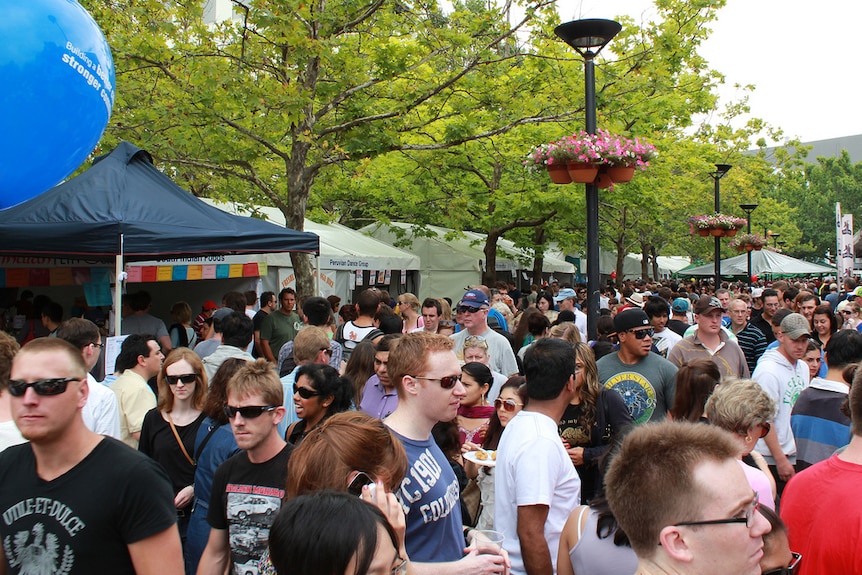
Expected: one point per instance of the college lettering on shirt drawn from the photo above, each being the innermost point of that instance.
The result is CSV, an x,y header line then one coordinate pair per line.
x,y
421,478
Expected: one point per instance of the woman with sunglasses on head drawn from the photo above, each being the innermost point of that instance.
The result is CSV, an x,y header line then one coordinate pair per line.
x,y
214,444
474,413
592,421
851,315
741,407
169,430
318,393
349,452
512,399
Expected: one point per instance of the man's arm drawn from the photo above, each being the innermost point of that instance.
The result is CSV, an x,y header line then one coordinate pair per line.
x,y
785,468
471,564
216,556
534,546
266,350
159,554
165,342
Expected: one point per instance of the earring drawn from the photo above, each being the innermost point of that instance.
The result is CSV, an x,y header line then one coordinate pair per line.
x,y
747,438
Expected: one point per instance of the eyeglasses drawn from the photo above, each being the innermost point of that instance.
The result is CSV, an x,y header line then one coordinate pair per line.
x,y
305,392
642,333
467,309
53,386
506,404
98,345
749,513
401,568
446,382
326,350
248,411
764,429
791,569
847,312
186,378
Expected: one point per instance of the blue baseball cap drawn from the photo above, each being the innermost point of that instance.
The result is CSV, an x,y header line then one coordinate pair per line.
x,y
474,298
679,305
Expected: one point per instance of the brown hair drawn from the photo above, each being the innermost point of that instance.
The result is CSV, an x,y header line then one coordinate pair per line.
x,y
309,342
695,382
257,377
8,348
166,398
650,483
590,388
409,355
346,442
217,396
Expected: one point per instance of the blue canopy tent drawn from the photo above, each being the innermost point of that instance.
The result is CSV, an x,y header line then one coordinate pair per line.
x,y
123,207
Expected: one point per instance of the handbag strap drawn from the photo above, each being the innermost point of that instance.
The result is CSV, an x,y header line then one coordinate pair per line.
x,y
180,441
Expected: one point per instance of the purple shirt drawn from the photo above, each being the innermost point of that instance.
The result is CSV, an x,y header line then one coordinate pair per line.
x,y
376,401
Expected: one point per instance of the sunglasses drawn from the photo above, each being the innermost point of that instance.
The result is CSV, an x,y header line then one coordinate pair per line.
x,y
467,309
473,341
642,333
791,569
248,411
764,429
186,378
54,386
305,392
506,404
446,382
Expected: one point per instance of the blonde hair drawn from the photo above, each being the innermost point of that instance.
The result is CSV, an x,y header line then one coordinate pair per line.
x,y
567,331
309,342
737,405
257,377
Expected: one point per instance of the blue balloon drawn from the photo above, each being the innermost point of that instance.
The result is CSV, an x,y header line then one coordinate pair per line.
x,y
57,78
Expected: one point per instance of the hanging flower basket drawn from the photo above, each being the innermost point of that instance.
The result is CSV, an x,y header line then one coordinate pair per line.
x,y
717,232
703,232
559,174
582,172
748,242
621,174
716,221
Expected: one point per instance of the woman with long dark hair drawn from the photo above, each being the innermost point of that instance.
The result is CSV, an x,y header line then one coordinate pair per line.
x,y
592,421
474,412
695,382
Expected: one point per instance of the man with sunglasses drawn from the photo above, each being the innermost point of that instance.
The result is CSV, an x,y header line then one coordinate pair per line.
x,y
679,494
645,380
72,500
248,488
473,308
102,412
536,485
427,374
140,359
821,505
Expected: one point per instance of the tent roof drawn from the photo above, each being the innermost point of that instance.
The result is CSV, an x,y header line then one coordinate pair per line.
x,y
340,247
762,262
124,193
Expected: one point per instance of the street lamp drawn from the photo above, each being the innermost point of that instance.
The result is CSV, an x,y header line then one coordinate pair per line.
x,y
720,171
748,208
588,37
774,236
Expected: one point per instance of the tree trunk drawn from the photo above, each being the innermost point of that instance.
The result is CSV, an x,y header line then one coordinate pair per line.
x,y
655,270
644,261
489,277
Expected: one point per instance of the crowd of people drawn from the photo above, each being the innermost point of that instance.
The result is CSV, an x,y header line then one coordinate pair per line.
x,y
702,431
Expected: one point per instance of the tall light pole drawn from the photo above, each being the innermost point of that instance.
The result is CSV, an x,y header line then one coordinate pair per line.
x,y
748,208
720,171
588,37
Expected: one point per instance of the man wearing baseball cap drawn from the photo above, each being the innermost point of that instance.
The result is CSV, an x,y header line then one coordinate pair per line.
x,y
783,375
206,311
710,341
473,308
566,299
645,380
678,321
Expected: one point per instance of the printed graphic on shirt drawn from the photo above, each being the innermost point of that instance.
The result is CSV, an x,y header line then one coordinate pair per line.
x,y
251,509
637,392
42,549
422,479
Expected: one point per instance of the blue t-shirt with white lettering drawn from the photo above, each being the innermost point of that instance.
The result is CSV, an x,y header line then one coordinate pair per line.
x,y
430,496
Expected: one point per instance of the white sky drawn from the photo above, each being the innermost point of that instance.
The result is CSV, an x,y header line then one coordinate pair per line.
x,y
806,85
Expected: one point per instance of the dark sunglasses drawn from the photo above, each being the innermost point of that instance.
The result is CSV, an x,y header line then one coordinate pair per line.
x,y
248,411
447,382
305,392
466,309
791,569
54,386
506,404
186,378
642,333
764,429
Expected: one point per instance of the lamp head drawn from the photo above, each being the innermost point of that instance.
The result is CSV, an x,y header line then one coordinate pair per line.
x,y
588,36
721,170
748,207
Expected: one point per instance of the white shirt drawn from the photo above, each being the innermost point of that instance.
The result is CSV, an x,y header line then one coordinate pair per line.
x,y
101,413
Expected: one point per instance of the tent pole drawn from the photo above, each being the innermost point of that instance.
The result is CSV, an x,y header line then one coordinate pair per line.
x,y
118,289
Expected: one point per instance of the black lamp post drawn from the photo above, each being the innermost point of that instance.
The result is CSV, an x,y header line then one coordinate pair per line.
x,y
588,37
720,171
774,236
748,208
